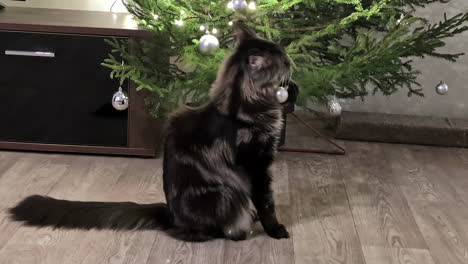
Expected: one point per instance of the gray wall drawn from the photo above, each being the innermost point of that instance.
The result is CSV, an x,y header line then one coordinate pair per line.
x,y
455,103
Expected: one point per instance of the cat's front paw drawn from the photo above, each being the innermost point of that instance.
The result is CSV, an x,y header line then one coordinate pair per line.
x,y
278,232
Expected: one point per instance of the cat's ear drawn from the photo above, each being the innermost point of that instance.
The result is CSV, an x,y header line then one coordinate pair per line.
x,y
256,62
242,32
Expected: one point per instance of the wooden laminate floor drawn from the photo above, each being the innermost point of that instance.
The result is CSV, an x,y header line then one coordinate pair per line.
x,y
381,203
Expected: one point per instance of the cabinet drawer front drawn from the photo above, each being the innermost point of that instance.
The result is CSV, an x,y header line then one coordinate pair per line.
x,y
54,90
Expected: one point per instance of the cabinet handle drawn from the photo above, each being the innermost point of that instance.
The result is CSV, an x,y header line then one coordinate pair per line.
x,y
30,53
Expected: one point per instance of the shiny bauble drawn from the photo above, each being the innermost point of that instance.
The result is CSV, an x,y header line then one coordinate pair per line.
x,y
120,100
238,5
282,95
252,5
334,107
442,88
208,44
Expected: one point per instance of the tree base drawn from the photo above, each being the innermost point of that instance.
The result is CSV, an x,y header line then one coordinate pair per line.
x,y
288,108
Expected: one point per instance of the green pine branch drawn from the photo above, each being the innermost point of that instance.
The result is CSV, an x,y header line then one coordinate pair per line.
x,y
348,48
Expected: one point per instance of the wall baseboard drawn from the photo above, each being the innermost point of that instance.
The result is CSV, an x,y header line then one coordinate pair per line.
x,y
403,129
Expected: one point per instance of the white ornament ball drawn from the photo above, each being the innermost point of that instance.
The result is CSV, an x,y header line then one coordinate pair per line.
x,y
239,5
120,100
442,88
334,107
282,95
208,44
252,5
179,22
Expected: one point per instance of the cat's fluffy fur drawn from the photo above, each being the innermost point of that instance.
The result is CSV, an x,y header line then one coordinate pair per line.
x,y
216,160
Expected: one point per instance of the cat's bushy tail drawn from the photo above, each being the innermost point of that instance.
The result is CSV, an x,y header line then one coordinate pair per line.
x,y
43,211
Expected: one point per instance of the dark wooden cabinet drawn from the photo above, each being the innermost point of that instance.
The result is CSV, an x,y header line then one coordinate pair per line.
x,y
62,95
55,95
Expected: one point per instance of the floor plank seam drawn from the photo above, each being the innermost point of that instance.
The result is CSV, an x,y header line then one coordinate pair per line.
x,y
358,236
434,259
151,249
406,201
51,188
290,215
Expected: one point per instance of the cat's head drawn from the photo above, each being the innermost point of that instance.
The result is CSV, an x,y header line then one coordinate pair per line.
x,y
251,75
264,62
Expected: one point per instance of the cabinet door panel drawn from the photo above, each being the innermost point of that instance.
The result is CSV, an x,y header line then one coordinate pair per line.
x,y
64,99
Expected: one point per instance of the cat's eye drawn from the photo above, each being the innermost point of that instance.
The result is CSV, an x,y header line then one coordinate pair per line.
x,y
254,52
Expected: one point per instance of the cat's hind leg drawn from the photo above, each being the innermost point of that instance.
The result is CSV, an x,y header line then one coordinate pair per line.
x,y
221,208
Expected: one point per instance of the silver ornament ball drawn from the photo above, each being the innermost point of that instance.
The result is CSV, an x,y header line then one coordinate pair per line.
x,y
120,100
334,107
282,95
442,88
208,44
239,5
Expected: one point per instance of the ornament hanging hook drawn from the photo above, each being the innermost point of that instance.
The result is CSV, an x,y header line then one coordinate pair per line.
x,y
211,19
112,6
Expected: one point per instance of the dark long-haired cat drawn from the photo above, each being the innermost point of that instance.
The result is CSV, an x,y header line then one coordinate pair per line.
x,y
216,160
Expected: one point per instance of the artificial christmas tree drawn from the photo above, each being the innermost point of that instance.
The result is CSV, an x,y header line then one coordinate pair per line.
x,y
342,48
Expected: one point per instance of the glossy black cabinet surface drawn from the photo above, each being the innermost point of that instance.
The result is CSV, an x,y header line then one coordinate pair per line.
x,y
53,90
